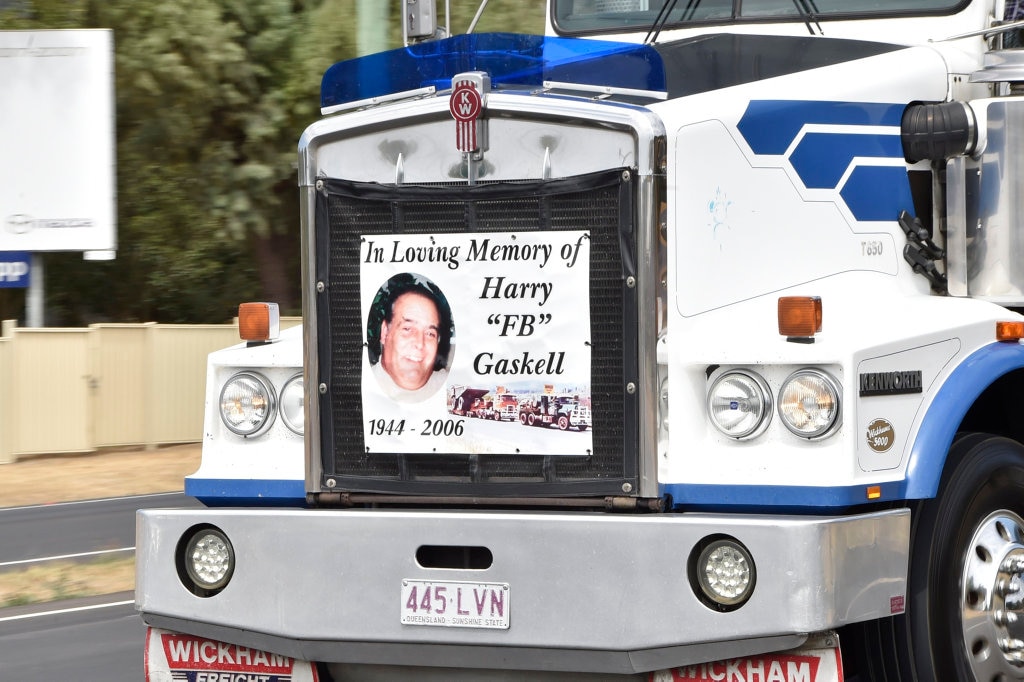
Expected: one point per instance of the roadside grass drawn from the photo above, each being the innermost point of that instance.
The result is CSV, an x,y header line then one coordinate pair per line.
x,y
61,580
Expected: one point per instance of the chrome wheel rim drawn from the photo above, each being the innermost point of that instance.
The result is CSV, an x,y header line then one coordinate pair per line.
x,y
992,598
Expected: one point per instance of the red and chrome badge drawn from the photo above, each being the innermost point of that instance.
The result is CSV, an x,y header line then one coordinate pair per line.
x,y
466,105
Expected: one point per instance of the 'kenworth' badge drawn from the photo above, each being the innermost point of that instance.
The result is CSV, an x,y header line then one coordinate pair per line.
x,y
467,104
890,383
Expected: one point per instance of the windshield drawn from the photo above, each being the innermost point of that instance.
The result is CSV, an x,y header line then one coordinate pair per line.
x,y
588,16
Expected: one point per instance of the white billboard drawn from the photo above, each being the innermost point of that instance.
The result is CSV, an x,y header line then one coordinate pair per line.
x,y
57,184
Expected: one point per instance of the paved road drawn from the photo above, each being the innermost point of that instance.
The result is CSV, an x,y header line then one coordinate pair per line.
x,y
75,529
92,640
95,640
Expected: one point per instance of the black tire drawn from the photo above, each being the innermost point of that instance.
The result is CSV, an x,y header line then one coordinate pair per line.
x,y
975,528
563,422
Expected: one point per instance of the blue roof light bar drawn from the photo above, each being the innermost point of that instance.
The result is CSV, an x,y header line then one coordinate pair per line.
x,y
509,59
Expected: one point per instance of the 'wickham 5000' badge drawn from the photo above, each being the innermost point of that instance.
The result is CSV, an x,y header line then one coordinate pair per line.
x,y
880,435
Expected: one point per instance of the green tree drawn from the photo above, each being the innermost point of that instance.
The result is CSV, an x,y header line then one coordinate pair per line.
x,y
206,151
509,16
212,96
206,131
38,14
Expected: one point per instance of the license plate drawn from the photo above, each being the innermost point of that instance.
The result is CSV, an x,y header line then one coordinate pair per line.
x,y
817,661
455,604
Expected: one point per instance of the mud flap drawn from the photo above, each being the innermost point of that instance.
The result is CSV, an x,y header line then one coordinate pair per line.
x,y
171,656
817,661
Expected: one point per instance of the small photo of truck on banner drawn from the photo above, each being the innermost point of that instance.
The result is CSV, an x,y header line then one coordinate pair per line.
x,y
564,411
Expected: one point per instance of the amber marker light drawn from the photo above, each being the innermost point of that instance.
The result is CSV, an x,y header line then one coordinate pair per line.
x,y
1009,331
258,322
874,492
799,316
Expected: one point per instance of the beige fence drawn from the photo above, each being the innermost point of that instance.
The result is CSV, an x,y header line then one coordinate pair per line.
x,y
109,385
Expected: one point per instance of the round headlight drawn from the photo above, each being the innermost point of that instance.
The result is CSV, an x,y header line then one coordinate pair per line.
x,y
293,400
209,559
739,404
247,404
809,403
725,573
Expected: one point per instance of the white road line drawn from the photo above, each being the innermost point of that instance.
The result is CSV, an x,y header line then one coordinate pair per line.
x,y
70,610
59,557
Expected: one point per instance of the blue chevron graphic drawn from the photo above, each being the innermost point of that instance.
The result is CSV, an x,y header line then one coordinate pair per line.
x,y
878,192
821,158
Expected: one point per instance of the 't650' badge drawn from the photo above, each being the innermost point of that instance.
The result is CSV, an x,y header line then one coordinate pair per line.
x,y
466,105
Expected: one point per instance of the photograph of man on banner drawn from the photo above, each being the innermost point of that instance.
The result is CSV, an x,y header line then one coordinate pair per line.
x,y
409,332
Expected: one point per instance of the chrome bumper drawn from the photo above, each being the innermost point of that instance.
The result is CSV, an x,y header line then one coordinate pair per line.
x,y
587,592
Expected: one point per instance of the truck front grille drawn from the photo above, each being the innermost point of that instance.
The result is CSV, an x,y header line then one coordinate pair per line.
x,y
601,203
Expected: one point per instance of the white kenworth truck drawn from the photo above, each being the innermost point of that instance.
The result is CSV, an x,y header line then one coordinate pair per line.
x,y
776,247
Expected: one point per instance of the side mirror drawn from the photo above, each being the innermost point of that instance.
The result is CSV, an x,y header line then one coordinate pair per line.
x,y
419,20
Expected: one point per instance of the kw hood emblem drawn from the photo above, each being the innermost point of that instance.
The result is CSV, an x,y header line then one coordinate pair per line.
x,y
469,95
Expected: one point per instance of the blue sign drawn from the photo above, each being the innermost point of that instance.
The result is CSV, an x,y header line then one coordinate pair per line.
x,y
14,269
